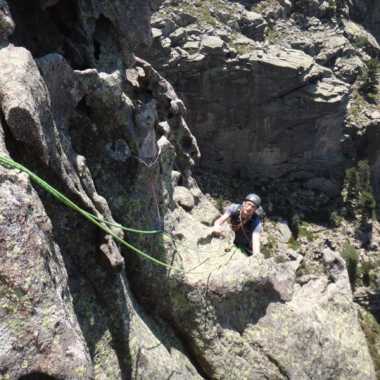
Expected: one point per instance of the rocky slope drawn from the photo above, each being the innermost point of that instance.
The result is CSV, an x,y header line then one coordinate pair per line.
x,y
79,108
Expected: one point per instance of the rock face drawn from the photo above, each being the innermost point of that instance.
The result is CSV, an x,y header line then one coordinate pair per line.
x,y
39,331
106,128
253,99
66,307
251,317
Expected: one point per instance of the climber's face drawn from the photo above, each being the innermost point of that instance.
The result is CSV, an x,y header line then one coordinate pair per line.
x,y
248,209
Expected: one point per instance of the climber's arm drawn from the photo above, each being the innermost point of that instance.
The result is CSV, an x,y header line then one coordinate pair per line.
x,y
256,243
222,219
256,239
217,229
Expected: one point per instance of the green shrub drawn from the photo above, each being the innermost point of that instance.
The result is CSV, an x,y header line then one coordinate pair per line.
x,y
360,42
336,219
357,194
303,231
351,257
293,244
368,78
367,204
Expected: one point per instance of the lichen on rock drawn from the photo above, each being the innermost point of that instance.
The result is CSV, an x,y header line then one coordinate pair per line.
x,y
271,90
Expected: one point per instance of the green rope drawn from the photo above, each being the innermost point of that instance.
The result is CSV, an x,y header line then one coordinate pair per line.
x,y
128,229
10,164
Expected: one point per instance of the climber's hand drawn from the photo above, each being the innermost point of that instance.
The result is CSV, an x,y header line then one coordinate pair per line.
x,y
218,231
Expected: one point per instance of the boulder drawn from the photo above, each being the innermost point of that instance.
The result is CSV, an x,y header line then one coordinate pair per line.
x,y
183,197
252,25
348,69
284,230
27,115
360,37
212,45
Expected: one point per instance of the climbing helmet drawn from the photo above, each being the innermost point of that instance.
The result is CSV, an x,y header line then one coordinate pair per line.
x,y
254,198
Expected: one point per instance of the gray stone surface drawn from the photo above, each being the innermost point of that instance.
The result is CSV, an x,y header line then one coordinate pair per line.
x,y
252,100
285,233
184,197
39,330
71,316
112,135
253,25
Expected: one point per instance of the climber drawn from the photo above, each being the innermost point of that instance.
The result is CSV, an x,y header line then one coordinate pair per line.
x,y
245,222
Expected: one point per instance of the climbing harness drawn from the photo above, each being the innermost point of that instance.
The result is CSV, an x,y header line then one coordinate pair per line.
x,y
241,225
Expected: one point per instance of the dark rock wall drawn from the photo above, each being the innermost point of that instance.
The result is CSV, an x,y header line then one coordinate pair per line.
x,y
66,309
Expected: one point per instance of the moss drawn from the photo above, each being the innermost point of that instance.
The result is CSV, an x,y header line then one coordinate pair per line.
x,y
371,329
13,300
357,105
360,42
201,10
80,372
241,48
310,267
272,35
105,360
303,231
